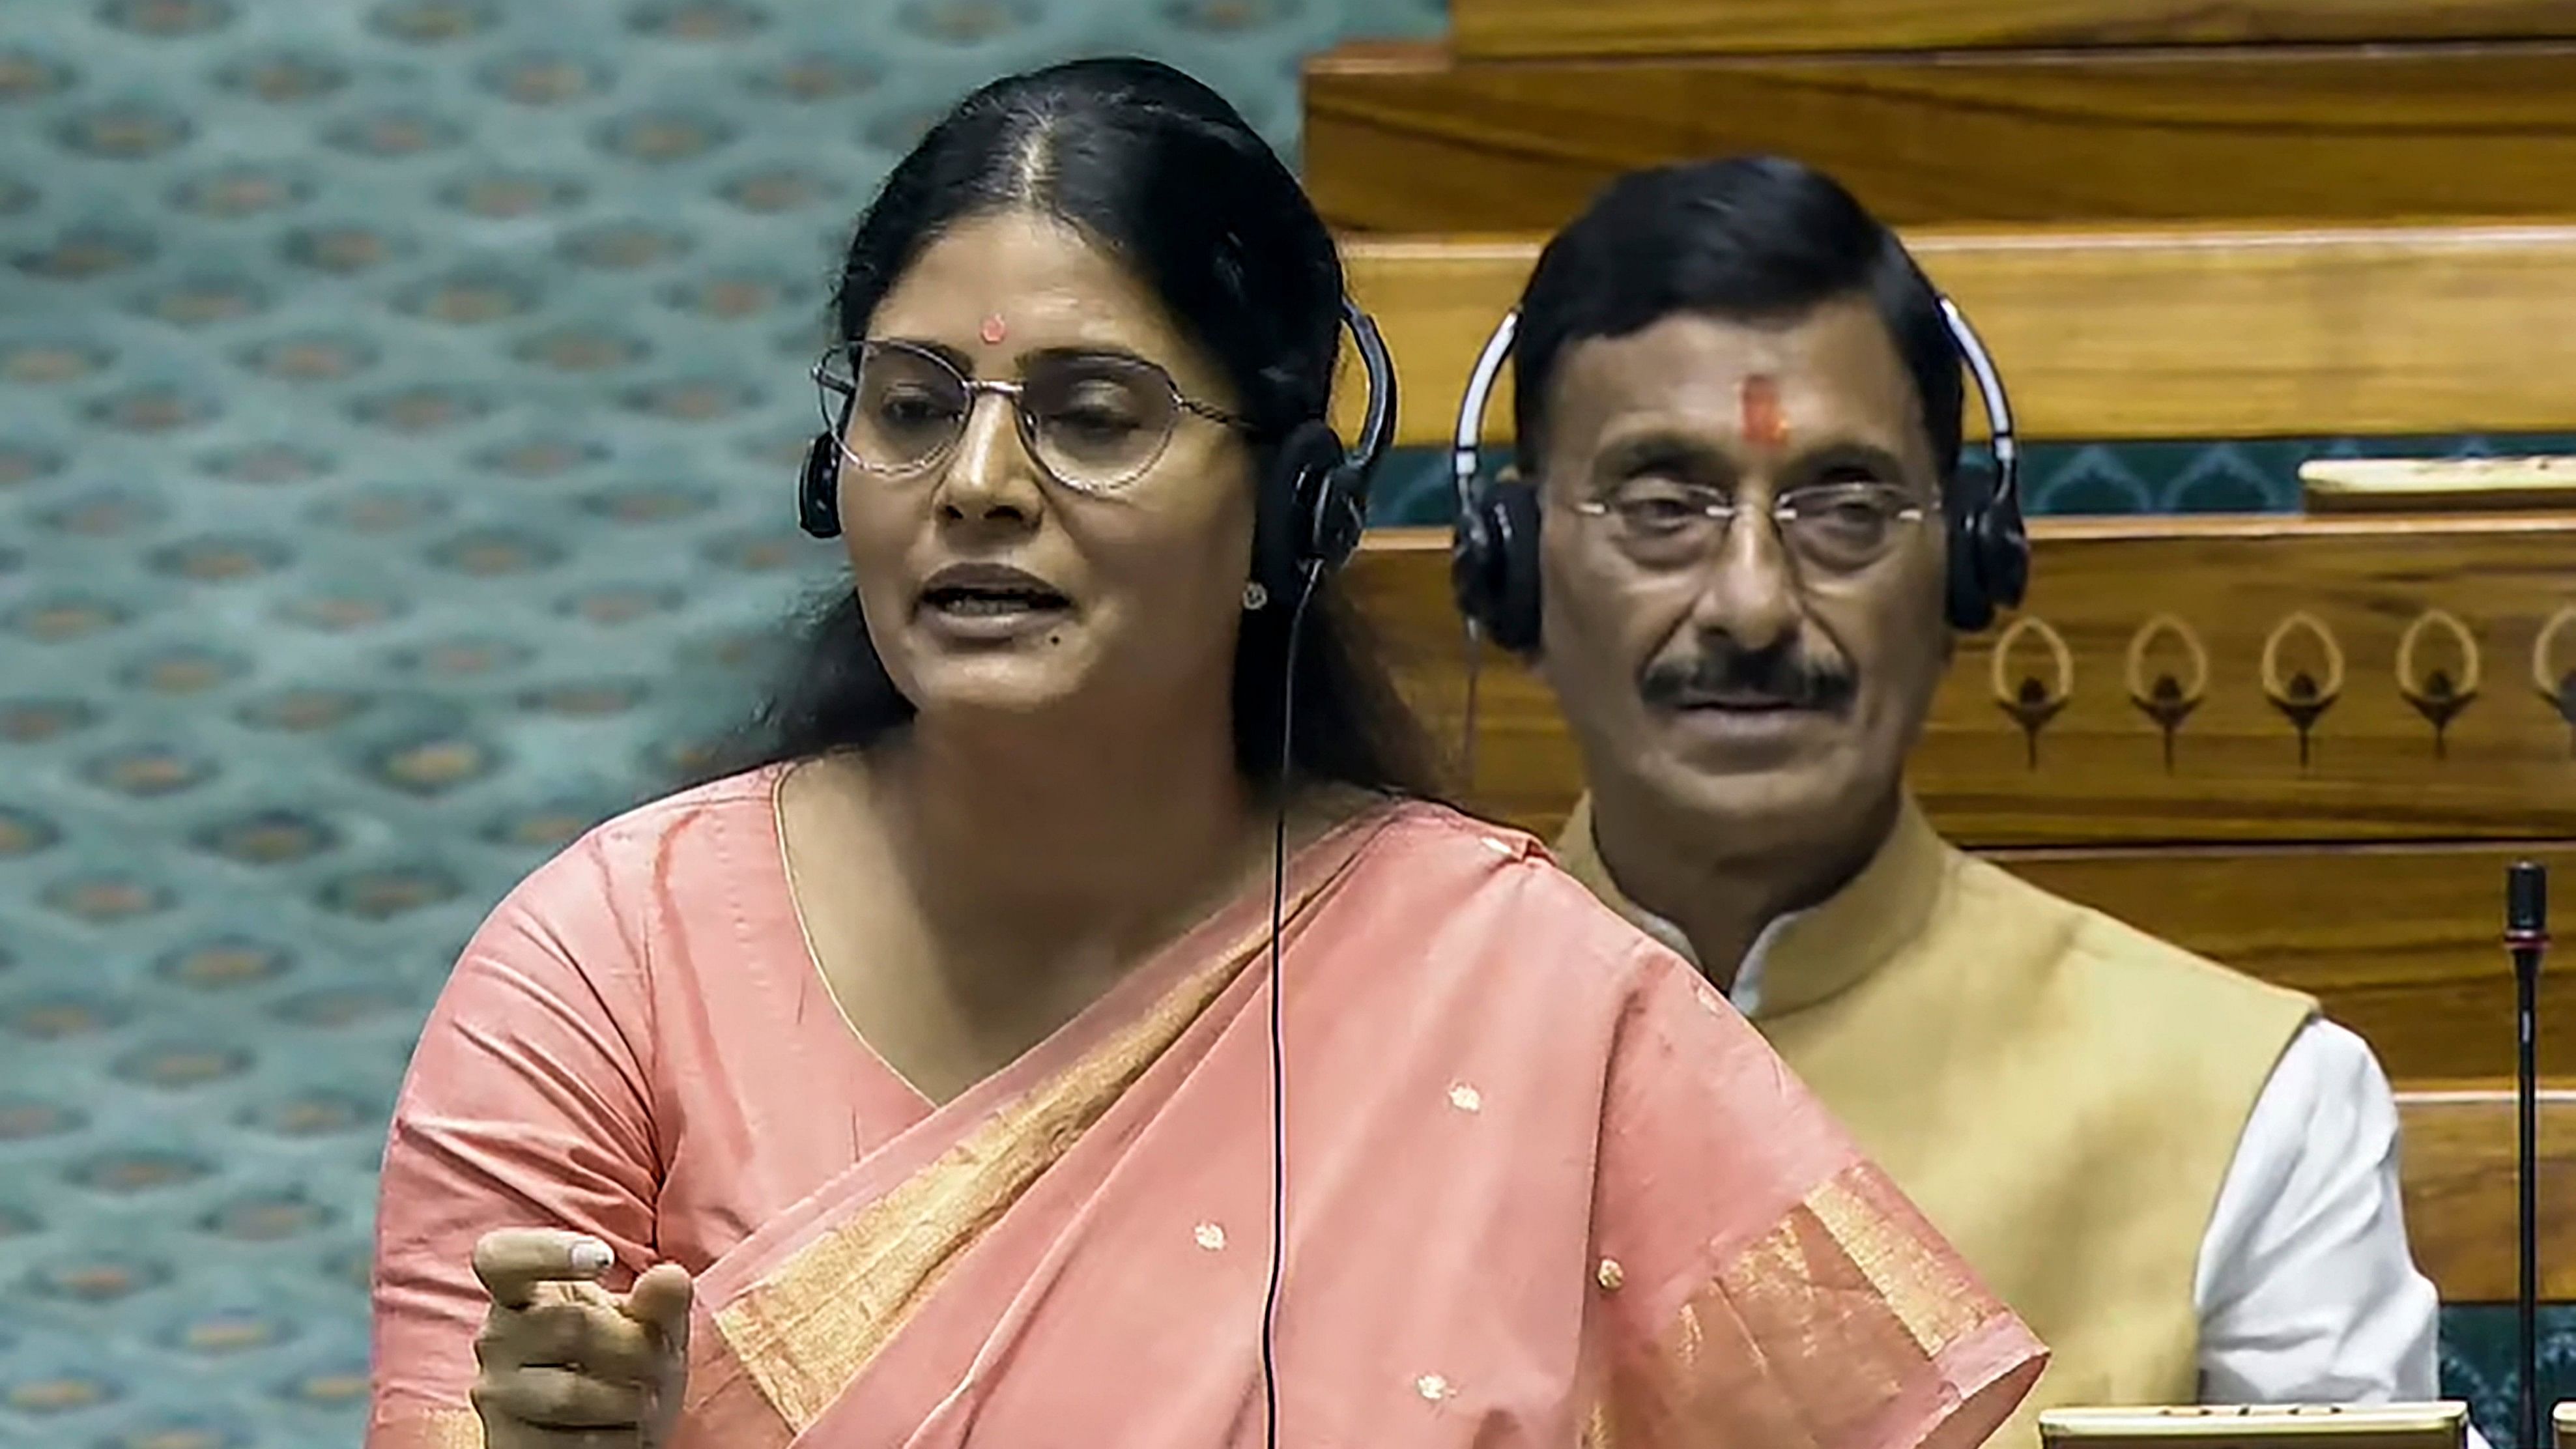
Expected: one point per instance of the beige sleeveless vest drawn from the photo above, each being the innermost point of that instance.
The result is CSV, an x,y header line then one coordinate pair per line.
x,y
2060,1094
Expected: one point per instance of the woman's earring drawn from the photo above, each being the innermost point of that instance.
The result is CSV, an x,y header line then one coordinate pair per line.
x,y
1255,596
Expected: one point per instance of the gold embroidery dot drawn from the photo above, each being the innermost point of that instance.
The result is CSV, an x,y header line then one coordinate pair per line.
x,y
1211,1236
1610,1275
1466,1098
1433,1387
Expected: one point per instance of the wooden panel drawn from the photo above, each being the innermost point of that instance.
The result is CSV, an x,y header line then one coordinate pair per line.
x,y
1492,29
2419,971
2096,771
1399,138
2176,332
2458,1172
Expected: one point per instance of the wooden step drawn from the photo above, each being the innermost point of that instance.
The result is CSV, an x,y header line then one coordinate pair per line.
x,y
1526,29
2195,332
1405,138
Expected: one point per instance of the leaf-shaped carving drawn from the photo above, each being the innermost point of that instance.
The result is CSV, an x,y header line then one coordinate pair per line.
x,y
2032,701
2167,699
2556,682
2298,694
2437,693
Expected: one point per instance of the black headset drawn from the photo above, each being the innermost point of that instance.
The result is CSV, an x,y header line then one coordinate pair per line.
x,y
1313,503
1493,551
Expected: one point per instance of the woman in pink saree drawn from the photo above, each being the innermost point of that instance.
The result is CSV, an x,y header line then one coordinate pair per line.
x,y
915,1086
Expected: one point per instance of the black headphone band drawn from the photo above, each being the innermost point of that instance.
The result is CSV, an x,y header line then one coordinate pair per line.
x,y
2001,439
1377,424
1467,441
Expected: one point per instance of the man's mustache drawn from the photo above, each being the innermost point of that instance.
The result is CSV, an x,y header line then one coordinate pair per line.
x,y
1784,673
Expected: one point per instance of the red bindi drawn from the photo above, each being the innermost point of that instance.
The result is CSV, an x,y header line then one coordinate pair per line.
x,y
1765,425
994,330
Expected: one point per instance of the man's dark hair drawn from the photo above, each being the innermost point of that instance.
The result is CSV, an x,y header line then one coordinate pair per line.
x,y
1753,238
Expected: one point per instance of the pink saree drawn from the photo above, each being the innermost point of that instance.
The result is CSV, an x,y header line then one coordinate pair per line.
x,y
1544,1187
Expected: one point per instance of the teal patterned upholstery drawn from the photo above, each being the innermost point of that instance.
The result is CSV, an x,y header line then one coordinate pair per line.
x,y
398,408
2134,477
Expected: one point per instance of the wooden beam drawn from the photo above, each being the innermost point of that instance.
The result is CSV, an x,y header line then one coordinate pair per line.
x,y
2457,1166
2198,602
1402,138
2199,332
1536,29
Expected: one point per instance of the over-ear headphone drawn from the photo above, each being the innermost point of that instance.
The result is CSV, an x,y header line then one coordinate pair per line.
x,y
1493,550
1313,503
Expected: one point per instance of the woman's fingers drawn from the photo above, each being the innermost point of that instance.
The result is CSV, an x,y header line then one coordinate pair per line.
x,y
558,1398
564,1363
660,1302
502,1433
512,1262
601,1341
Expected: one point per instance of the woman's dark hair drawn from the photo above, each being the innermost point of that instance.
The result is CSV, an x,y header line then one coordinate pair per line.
x,y
1161,172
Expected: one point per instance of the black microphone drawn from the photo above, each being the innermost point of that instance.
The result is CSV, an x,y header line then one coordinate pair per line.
x,y
2526,936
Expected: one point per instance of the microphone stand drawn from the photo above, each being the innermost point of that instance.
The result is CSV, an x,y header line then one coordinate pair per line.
x,y
2526,937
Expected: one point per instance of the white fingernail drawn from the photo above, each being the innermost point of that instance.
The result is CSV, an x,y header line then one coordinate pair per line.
x,y
590,1255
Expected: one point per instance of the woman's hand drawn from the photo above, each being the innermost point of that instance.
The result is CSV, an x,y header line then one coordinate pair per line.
x,y
564,1362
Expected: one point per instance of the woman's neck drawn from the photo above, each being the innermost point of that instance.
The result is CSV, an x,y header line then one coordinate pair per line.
x,y
1020,837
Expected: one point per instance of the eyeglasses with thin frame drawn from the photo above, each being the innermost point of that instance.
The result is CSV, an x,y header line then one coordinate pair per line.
x,y
1095,421
1835,528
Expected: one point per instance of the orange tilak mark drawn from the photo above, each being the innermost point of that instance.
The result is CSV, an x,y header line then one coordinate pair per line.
x,y
1764,424
993,329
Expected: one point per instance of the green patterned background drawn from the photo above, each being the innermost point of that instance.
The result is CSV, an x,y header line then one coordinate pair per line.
x,y
398,407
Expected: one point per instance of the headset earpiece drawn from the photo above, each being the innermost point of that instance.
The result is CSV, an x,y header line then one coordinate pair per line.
x,y
1314,505
1304,512
1989,550
818,488
1493,564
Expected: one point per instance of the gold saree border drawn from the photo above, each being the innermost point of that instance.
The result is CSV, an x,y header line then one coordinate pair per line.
x,y
429,1429
1805,1337
809,1329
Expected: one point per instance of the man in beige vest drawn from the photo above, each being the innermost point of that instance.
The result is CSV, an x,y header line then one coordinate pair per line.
x,y
1739,407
